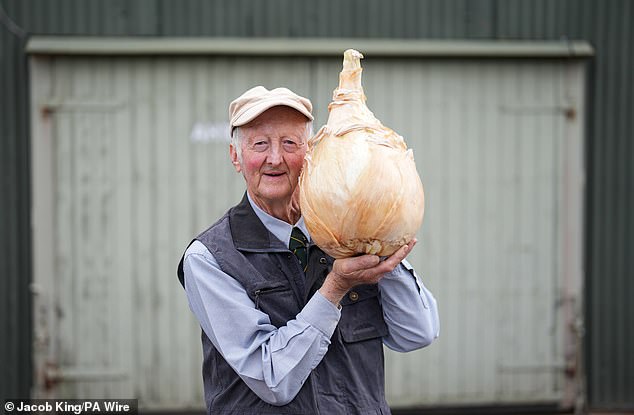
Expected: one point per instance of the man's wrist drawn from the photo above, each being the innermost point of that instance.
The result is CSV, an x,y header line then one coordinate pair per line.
x,y
332,291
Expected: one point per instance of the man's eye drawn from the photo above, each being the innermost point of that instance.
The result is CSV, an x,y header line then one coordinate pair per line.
x,y
260,145
290,145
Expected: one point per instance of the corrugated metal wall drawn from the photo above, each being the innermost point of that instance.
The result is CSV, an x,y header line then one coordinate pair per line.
x,y
610,191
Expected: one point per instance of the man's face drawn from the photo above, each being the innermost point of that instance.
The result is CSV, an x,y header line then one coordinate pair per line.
x,y
273,149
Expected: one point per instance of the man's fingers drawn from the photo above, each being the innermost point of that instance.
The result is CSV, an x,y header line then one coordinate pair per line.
x,y
356,264
369,266
393,260
365,262
399,255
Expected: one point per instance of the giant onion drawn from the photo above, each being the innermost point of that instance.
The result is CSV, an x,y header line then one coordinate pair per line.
x,y
360,192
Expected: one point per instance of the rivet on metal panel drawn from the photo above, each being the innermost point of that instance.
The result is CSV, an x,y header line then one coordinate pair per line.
x,y
570,113
46,110
51,375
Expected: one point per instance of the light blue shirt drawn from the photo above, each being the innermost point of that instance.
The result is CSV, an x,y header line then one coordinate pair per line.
x,y
275,362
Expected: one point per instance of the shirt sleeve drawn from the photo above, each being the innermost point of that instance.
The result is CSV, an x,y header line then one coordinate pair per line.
x,y
273,362
409,309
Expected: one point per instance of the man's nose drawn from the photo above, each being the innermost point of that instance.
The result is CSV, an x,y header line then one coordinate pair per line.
x,y
274,155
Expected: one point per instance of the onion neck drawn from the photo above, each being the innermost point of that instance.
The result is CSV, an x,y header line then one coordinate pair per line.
x,y
348,108
350,76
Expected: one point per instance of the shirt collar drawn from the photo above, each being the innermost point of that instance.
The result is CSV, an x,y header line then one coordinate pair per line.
x,y
280,229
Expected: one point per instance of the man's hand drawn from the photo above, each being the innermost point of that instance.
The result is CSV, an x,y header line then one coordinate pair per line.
x,y
366,269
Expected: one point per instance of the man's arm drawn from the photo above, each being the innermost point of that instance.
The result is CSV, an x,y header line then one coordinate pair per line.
x,y
273,362
409,309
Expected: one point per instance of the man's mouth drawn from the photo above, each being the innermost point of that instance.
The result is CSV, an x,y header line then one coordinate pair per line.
x,y
274,174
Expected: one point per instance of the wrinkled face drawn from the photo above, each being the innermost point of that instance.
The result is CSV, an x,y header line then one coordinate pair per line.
x,y
273,149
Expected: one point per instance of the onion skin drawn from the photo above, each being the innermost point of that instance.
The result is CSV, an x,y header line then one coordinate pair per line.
x,y
360,192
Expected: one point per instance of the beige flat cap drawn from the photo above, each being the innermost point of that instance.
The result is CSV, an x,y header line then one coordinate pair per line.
x,y
258,99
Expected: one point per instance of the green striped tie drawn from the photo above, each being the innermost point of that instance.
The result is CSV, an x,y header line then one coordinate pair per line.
x,y
298,245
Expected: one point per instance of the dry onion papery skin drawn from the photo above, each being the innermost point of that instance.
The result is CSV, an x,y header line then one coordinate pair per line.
x,y
360,192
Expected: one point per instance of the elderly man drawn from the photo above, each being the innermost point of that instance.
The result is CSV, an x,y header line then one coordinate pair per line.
x,y
284,333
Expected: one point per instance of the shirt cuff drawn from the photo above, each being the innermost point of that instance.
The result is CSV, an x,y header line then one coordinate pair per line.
x,y
321,314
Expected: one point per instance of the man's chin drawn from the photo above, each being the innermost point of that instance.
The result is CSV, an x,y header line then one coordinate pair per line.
x,y
274,194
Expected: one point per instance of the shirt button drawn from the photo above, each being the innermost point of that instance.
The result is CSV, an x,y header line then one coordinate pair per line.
x,y
322,260
353,296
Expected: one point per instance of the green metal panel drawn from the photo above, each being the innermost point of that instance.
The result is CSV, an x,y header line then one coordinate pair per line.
x,y
610,186
610,313
15,259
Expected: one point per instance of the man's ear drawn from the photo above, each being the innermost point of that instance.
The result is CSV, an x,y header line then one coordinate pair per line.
x,y
234,158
